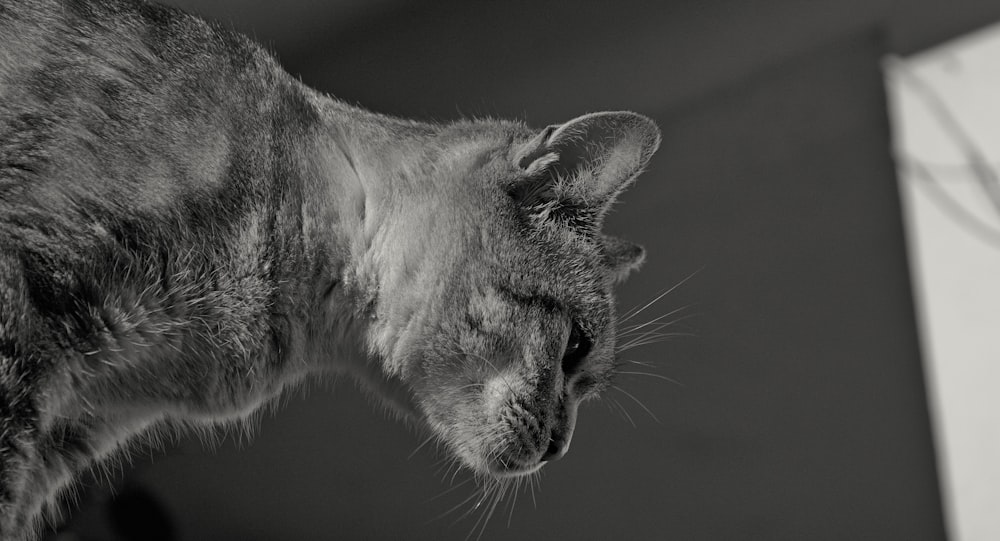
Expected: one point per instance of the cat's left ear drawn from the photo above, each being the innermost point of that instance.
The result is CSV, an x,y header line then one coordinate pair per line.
x,y
587,161
621,257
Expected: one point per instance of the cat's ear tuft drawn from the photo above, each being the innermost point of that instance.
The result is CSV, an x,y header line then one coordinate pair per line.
x,y
589,159
621,257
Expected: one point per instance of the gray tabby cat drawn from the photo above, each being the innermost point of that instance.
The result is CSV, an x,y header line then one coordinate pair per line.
x,y
185,230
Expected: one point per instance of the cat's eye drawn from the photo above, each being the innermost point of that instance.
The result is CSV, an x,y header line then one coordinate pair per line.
x,y
577,347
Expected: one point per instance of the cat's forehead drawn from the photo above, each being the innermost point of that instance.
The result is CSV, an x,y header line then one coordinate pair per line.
x,y
543,260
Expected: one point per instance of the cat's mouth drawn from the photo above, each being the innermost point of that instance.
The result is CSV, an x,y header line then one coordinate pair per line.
x,y
508,424
505,466
520,440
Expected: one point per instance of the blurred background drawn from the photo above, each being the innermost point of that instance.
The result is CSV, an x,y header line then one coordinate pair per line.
x,y
817,397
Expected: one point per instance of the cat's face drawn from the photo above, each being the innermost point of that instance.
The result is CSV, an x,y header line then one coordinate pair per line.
x,y
502,314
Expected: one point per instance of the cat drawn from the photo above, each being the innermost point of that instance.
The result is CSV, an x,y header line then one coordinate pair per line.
x,y
186,230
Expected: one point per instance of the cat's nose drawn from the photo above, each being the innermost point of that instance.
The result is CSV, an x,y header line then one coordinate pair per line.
x,y
561,435
562,431
557,448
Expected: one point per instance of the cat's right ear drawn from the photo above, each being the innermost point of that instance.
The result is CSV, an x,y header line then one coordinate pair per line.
x,y
586,162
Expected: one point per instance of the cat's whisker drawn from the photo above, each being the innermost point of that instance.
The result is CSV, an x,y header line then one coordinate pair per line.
x,y
647,340
532,480
654,325
484,486
649,374
448,466
421,446
496,495
623,411
636,337
484,492
631,337
639,342
627,329
458,469
651,335
450,489
475,526
512,501
505,491
636,311
656,333
637,401
457,506
640,363
658,321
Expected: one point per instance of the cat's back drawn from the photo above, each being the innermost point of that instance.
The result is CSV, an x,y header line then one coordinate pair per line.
x,y
143,156
126,104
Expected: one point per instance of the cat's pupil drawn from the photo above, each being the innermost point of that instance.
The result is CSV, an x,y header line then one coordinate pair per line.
x,y
577,347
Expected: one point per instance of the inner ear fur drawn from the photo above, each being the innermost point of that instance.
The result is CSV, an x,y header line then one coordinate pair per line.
x,y
589,160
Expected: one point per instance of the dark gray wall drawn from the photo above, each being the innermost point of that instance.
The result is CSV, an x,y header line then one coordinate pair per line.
x,y
800,412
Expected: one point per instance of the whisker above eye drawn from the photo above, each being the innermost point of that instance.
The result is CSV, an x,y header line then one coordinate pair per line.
x,y
654,330
648,339
636,311
628,329
650,374
640,363
655,334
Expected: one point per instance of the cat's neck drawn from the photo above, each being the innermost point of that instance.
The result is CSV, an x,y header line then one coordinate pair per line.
x,y
358,165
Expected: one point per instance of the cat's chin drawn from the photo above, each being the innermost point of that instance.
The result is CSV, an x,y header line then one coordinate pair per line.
x,y
501,472
506,468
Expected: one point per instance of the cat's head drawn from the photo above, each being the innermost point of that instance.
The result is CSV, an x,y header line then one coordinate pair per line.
x,y
494,307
